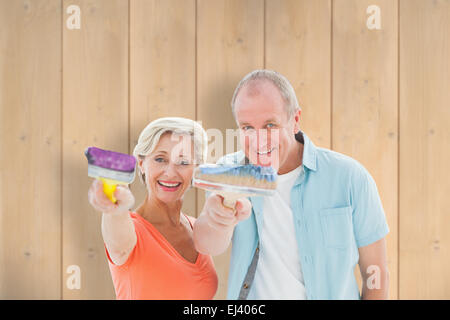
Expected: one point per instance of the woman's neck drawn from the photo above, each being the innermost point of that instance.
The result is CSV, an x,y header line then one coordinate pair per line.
x,y
160,213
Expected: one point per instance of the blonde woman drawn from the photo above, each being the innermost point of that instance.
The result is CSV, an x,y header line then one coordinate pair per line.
x,y
150,251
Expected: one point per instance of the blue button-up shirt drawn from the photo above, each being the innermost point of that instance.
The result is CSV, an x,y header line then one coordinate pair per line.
x,y
336,210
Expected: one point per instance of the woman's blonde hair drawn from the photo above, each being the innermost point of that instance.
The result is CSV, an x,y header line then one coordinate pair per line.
x,y
150,136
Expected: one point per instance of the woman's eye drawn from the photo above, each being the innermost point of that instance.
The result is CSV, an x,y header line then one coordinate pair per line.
x,y
159,159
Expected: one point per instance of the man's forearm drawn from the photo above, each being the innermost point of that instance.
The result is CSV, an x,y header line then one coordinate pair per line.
x,y
374,292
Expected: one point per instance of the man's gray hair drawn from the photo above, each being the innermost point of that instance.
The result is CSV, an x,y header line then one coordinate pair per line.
x,y
283,85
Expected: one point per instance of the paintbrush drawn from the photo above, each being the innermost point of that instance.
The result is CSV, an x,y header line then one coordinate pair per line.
x,y
111,168
235,181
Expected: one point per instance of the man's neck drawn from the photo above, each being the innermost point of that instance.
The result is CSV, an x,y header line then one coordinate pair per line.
x,y
294,159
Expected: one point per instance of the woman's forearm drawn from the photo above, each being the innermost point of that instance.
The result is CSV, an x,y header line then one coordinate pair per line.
x,y
209,240
119,235
214,228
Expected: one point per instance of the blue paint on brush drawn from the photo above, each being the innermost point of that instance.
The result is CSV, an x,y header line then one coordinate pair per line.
x,y
257,172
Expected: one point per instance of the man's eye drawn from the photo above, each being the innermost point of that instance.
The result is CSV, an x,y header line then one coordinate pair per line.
x,y
184,162
246,128
270,125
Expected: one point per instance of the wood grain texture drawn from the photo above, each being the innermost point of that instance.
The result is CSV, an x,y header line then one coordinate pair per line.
x,y
162,71
30,149
134,61
424,149
365,100
95,113
298,45
229,45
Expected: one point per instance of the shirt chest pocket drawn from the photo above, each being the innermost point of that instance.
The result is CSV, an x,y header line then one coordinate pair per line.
x,y
337,227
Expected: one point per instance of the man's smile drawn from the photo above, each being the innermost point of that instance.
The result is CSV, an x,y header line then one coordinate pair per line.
x,y
268,152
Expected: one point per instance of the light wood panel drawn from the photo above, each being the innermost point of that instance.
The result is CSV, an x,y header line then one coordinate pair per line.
x,y
95,113
299,47
162,71
424,149
364,102
134,61
30,149
229,45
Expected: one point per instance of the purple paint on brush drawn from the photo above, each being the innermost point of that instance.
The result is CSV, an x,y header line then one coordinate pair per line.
x,y
110,159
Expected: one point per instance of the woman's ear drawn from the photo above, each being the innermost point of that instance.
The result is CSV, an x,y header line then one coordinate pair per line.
x,y
140,162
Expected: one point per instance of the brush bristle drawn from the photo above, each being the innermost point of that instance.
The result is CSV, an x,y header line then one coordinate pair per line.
x,y
238,175
110,160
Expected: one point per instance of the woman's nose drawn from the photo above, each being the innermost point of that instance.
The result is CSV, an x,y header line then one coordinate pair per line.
x,y
171,170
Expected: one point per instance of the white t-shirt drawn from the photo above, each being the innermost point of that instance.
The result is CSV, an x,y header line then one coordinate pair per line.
x,y
278,273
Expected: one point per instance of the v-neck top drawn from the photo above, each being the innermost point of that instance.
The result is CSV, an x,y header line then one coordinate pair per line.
x,y
155,270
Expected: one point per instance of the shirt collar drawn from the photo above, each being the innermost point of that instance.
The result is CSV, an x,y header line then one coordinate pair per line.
x,y
309,151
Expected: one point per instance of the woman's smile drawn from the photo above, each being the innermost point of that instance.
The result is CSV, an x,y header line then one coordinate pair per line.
x,y
169,186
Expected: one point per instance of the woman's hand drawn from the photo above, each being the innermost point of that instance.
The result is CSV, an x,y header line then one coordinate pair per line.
x,y
214,227
117,226
221,217
99,200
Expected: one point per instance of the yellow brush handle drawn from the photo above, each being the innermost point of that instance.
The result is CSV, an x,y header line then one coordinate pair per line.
x,y
109,186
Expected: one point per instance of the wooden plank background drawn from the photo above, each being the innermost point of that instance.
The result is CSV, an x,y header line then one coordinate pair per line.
x,y
364,102
424,251
95,112
30,149
380,96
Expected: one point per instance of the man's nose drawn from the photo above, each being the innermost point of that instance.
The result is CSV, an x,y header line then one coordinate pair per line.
x,y
262,138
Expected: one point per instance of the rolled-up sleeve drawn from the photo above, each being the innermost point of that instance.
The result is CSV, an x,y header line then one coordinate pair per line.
x,y
369,220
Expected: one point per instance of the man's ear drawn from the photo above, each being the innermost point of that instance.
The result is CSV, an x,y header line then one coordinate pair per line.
x,y
296,116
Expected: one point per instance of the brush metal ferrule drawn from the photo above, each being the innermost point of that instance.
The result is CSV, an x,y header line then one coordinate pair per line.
x,y
96,171
215,187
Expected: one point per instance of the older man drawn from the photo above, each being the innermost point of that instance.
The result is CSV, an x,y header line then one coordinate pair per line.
x,y
326,216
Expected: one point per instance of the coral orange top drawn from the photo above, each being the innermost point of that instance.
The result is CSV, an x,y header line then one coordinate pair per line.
x,y
155,270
